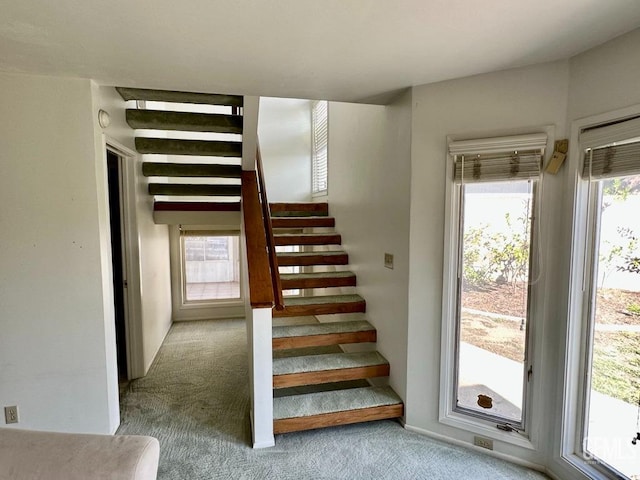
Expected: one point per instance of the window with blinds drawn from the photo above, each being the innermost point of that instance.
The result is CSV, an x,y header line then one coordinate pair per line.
x,y
488,277
609,266
611,151
319,147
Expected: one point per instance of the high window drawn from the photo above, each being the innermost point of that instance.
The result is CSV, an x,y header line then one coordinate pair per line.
x,y
319,147
490,271
608,421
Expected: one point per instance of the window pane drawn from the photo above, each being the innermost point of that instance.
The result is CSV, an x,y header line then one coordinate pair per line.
x,y
493,303
211,268
614,392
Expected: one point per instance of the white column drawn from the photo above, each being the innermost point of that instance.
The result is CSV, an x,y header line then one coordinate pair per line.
x,y
260,376
251,106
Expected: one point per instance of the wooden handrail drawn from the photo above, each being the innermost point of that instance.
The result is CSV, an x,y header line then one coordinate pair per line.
x,y
260,291
271,244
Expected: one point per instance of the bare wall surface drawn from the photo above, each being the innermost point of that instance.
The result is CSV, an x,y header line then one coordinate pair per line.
x,y
369,180
605,78
496,104
57,327
284,130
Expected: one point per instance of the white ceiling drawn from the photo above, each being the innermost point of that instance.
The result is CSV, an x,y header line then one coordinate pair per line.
x,y
335,49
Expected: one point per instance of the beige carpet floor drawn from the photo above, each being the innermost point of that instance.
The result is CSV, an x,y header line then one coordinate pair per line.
x,y
195,401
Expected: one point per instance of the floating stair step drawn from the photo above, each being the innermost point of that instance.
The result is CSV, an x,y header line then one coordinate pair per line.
x,y
322,334
317,280
179,97
338,407
308,239
332,367
158,169
184,121
173,146
299,209
194,190
196,206
321,305
319,387
289,259
302,222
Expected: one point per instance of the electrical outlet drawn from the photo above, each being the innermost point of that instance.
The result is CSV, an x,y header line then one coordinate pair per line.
x,y
11,414
388,260
483,442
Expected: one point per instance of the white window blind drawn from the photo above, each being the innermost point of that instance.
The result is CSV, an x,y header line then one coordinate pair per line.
x,y
611,150
497,159
319,146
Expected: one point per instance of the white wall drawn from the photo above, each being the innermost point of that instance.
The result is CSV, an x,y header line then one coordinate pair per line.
x,y
369,180
284,130
57,348
150,252
502,103
605,78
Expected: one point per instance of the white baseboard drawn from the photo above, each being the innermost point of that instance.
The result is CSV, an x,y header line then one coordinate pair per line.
x,y
460,443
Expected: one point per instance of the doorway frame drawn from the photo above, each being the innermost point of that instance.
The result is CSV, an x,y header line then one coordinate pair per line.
x,y
128,161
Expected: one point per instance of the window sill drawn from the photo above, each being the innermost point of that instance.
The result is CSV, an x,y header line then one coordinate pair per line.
x,y
486,429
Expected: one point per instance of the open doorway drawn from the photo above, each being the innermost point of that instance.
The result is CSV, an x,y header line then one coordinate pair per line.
x,y
116,214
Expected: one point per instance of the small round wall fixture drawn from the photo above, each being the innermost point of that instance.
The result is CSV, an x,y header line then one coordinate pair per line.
x,y
104,119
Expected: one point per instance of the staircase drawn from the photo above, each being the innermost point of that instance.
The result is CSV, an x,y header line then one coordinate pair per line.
x,y
319,378
204,143
316,382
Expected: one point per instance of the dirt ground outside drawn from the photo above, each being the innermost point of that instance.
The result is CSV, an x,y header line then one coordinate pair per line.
x,y
616,366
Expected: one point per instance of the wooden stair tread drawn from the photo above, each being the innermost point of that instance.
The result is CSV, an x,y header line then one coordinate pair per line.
x,y
196,206
307,239
302,222
333,401
337,257
183,121
174,146
327,361
179,97
158,169
321,300
319,208
321,305
322,334
325,328
317,280
195,190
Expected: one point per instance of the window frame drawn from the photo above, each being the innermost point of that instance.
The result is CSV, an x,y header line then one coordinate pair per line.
x,y
576,348
199,309
314,151
448,414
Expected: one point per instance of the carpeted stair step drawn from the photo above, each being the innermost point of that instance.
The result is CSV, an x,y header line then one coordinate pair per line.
x,y
332,367
173,146
292,281
321,305
337,407
179,97
299,209
159,169
196,206
322,334
184,121
182,189
288,259
303,222
307,239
